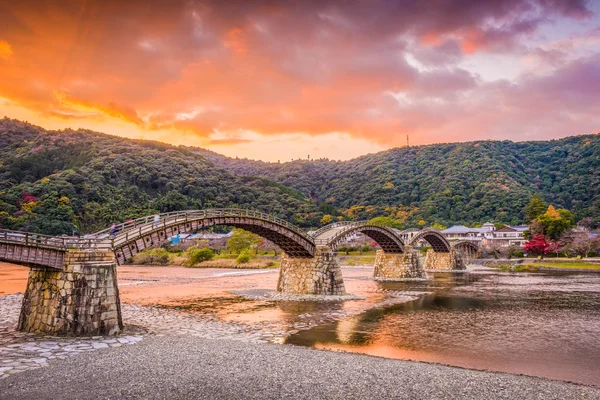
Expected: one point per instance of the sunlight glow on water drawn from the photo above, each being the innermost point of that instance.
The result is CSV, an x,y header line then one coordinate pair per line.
x,y
534,324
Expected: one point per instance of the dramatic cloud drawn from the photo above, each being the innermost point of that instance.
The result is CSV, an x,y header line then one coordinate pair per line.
x,y
232,74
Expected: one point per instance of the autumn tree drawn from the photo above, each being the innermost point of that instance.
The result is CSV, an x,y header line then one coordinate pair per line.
x,y
327,219
555,222
538,245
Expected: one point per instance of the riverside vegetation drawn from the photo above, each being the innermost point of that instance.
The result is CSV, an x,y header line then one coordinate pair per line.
x,y
242,251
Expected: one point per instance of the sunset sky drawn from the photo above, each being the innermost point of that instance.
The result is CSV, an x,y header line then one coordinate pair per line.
x,y
281,80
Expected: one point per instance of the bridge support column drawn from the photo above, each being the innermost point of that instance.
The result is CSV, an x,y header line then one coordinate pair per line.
x,y
319,275
393,266
438,261
80,299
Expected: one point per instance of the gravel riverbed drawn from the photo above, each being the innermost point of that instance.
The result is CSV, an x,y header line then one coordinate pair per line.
x,y
213,345
178,367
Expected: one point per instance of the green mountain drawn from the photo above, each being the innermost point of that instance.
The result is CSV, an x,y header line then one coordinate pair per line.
x,y
59,181
445,183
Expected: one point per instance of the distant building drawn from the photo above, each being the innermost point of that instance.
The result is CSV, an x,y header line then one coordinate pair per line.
x,y
509,235
488,234
407,234
215,240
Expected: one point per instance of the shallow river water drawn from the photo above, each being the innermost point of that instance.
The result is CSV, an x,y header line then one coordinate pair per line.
x,y
530,323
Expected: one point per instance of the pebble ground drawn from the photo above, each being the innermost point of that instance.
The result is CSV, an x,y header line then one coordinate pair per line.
x,y
185,367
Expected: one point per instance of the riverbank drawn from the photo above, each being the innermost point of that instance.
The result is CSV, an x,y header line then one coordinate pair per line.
x,y
185,367
521,265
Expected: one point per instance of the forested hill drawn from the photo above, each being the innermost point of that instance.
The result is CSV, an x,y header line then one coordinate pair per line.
x,y
446,183
63,181
56,182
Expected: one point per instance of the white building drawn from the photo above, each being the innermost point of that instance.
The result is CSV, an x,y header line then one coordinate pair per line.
x,y
488,234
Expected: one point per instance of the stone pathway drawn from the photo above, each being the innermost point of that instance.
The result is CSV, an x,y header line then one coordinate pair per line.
x,y
19,357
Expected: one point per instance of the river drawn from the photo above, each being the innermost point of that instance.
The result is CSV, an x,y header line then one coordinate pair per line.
x,y
540,324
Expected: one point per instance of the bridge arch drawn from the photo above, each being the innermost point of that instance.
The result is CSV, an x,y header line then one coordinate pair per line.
x,y
466,246
333,235
436,240
135,236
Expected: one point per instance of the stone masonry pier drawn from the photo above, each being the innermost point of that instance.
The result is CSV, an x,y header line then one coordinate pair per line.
x,y
319,275
80,299
438,261
398,266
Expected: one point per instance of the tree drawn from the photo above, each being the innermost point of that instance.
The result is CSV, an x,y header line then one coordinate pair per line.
x,y
242,240
511,251
499,225
243,257
581,245
386,221
538,245
555,222
438,226
197,255
536,207
494,249
326,219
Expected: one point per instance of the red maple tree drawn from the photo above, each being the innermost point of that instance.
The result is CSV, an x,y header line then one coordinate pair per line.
x,y
538,245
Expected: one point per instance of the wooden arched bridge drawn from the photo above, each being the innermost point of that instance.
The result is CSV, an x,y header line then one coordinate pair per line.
x,y
134,236
72,286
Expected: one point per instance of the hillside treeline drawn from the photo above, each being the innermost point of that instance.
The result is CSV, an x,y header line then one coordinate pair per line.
x,y
65,182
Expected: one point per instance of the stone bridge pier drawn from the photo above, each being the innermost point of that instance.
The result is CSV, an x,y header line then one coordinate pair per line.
x,y
398,266
318,275
444,261
80,299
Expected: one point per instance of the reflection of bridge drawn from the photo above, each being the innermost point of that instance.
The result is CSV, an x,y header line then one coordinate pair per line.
x,y
73,270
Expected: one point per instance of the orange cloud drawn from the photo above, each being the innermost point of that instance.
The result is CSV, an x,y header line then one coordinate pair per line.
x,y
78,108
6,52
314,69
235,40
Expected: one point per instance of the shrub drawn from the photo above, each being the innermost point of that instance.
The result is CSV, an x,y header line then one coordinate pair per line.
x,y
157,256
199,255
195,255
244,257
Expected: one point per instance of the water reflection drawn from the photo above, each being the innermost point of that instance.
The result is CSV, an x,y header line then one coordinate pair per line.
x,y
536,324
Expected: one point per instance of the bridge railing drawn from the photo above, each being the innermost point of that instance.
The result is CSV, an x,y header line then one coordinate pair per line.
x,y
331,226
55,242
348,225
142,226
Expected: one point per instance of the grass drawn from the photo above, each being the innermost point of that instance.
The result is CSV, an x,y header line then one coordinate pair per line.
x,y
356,253
356,260
566,265
532,267
255,263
